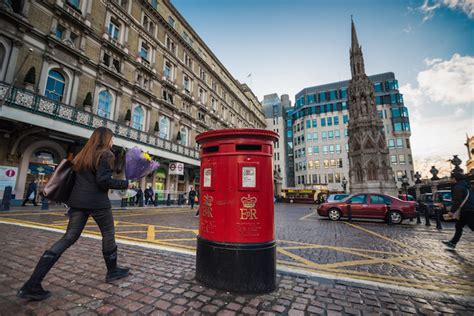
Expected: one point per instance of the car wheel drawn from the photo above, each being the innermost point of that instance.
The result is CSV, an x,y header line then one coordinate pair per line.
x,y
334,214
395,217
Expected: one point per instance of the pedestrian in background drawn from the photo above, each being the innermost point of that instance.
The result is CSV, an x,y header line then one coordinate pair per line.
x,y
192,197
148,196
31,193
89,197
463,207
139,196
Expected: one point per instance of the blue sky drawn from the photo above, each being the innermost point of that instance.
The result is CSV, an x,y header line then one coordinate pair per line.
x,y
288,45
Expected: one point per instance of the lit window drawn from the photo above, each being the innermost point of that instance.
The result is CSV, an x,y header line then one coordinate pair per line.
x,y
55,86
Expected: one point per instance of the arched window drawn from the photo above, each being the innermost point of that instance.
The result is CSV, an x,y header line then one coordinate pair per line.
x,y
164,127
55,85
371,171
138,118
184,136
104,104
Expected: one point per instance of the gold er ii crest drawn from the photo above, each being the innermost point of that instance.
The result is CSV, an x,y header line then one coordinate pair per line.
x,y
206,208
248,210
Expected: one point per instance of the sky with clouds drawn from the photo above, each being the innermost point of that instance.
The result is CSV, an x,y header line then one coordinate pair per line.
x,y
288,45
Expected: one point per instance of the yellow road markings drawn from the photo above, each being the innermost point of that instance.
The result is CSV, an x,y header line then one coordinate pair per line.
x,y
61,213
367,262
379,235
335,247
150,234
298,258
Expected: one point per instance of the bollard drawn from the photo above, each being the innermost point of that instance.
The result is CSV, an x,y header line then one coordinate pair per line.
x,y
438,218
349,212
44,204
7,197
140,201
168,200
156,200
389,218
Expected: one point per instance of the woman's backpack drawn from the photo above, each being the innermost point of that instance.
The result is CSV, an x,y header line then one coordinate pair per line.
x,y
59,186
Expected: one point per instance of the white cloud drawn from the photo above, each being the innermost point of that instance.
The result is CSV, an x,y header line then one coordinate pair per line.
x,y
441,107
449,82
429,7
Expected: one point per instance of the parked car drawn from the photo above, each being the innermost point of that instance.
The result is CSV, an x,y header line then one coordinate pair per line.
x,y
336,197
425,204
406,197
370,205
442,201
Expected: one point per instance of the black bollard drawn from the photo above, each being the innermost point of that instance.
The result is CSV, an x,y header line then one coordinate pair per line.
x,y
389,218
156,199
438,218
349,212
123,203
168,200
7,197
44,204
140,201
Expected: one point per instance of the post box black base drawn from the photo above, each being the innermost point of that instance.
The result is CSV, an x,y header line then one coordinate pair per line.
x,y
241,268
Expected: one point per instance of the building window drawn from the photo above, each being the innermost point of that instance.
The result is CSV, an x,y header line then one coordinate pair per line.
x,y
202,95
401,159
391,143
59,33
138,118
145,52
148,24
407,140
336,120
55,85
316,150
171,21
154,4
323,122
330,134
329,121
184,136
170,45
337,134
338,148
393,159
323,135
400,175
168,70
167,96
315,136
188,61
308,136
308,124
345,118
331,149
326,163
164,127
399,143
187,83
325,149
104,104
114,29
74,3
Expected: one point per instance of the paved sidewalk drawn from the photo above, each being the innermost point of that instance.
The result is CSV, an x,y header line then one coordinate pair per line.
x,y
163,283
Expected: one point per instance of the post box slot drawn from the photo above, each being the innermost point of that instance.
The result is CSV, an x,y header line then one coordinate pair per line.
x,y
211,149
248,147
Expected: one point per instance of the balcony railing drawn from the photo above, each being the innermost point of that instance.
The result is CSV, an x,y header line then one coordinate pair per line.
x,y
40,105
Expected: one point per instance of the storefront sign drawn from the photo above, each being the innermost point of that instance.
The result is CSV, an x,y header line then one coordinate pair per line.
x,y
176,168
8,177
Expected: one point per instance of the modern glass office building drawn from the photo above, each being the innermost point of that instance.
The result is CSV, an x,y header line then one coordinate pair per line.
x,y
320,135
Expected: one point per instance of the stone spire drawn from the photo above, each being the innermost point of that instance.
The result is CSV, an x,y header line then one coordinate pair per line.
x,y
369,164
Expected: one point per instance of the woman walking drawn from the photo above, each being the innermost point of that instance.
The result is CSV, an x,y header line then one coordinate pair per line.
x,y
89,197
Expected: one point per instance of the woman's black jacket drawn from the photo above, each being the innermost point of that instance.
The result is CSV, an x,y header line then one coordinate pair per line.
x,y
91,189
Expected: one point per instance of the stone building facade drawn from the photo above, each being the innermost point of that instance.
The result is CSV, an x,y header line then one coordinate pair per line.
x,y
136,67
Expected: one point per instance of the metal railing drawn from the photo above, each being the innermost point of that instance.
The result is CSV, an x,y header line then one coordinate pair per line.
x,y
40,105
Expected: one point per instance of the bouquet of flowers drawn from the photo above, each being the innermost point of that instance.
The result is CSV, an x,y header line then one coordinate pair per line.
x,y
138,164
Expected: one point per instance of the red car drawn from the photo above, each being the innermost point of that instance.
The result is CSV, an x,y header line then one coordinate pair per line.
x,y
370,205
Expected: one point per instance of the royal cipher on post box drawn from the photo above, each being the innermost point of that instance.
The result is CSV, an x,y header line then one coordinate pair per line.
x,y
236,248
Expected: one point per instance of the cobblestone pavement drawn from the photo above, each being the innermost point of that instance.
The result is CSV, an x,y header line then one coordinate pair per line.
x,y
163,283
408,255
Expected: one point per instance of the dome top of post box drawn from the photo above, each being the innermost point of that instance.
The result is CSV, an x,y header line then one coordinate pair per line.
x,y
237,132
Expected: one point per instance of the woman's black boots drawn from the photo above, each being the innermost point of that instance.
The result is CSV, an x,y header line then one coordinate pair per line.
x,y
32,289
113,271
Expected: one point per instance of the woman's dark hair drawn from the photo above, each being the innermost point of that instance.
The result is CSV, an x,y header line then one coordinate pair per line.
x,y
97,146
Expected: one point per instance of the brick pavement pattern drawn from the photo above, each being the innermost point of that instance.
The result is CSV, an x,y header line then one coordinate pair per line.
x,y
162,283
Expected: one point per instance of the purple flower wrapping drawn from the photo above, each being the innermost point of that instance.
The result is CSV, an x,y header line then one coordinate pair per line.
x,y
136,165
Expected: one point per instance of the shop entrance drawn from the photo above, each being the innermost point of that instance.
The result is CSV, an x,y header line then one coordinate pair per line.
x,y
41,166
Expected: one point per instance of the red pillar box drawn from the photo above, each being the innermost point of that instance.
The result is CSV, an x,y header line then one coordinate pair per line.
x,y
236,248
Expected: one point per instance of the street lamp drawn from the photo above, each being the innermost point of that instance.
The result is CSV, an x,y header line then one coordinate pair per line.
x,y
405,185
344,184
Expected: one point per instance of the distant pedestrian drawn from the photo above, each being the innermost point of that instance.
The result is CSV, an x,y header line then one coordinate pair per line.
x,y
89,197
148,196
192,196
31,193
139,197
462,209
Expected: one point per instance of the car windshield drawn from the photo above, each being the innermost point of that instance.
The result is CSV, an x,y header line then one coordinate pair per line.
x,y
445,195
340,197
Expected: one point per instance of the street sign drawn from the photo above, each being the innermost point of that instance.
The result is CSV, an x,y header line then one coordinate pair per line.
x,y
8,177
176,168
